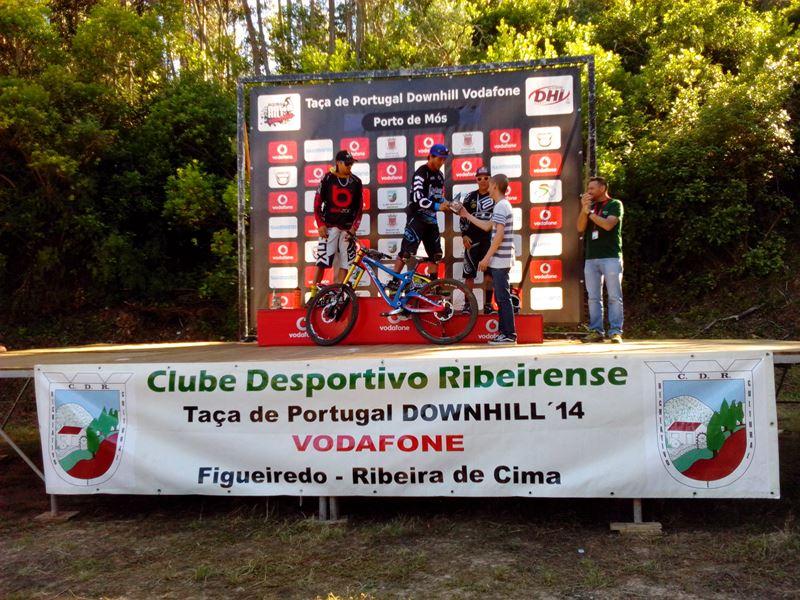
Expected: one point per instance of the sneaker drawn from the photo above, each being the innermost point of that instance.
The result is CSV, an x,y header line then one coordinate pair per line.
x,y
616,338
313,291
594,337
502,340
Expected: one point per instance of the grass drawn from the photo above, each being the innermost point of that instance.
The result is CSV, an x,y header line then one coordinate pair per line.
x,y
189,547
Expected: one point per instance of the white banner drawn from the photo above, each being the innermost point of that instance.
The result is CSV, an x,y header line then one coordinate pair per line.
x,y
501,425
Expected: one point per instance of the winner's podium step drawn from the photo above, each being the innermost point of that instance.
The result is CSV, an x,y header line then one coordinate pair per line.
x,y
287,327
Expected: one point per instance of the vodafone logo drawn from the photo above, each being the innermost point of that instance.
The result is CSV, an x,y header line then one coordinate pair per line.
x,y
314,174
514,192
464,168
545,164
282,152
283,252
546,271
423,143
505,140
282,202
548,217
358,147
300,329
392,172
491,328
311,226
396,323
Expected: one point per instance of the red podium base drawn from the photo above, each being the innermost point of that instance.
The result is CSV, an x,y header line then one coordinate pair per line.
x,y
287,327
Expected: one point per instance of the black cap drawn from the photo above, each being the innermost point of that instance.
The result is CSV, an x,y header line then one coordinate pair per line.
x,y
482,171
345,157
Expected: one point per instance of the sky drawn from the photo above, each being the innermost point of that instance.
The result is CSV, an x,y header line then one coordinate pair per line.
x,y
710,393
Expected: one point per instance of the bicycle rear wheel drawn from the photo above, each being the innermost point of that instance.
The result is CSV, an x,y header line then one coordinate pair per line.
x,y
455,321
332,314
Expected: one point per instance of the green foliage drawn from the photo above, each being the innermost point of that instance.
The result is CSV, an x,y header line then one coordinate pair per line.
x,y
117,127
715,433
92,440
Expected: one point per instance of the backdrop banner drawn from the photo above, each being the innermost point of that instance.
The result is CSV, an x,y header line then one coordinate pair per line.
x,y
505,424
524,124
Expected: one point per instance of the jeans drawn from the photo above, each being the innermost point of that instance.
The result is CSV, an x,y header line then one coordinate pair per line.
x,y
502,295
595,270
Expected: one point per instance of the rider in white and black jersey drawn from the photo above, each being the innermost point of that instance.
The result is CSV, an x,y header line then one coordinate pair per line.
x,y
476,241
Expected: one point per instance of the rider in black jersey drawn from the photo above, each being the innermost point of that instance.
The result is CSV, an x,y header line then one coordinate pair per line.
x,y
427,197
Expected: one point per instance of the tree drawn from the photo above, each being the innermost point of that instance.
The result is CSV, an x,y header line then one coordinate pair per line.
x,y
715,434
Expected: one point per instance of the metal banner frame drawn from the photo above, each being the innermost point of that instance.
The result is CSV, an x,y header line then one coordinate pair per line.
x,y
244,248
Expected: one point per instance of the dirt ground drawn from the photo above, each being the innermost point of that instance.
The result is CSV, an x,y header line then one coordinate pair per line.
x,y
208,547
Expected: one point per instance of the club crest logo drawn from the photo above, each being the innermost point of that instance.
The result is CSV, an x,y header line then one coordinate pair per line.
x,y
87,426
706,436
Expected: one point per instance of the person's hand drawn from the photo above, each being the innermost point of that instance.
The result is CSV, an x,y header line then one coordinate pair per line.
x,y
467,242
483,265
444,205
463,212
586,203
323,231
351,233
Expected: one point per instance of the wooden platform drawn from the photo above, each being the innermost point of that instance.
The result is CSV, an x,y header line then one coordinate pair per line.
x,y
21,363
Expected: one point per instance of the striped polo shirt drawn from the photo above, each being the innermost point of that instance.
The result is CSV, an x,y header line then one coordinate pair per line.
x,y
502,215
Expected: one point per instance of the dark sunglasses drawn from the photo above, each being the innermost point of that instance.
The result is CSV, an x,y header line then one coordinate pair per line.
x,y
479,177
348,163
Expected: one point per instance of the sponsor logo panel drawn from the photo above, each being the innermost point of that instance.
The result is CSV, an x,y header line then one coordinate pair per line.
x,y
282,177
505,140
549,95
423,143
318,150
546,191
311,229
547,298
313,174
546,244
393,146
282,202
510,166
546,271
391,172
546,217
361,170
357,146
545,165
282,277
464,168
282,152
514,192
309,272
282,227
392,198
283,252
391,223
544,138
467,142
279,112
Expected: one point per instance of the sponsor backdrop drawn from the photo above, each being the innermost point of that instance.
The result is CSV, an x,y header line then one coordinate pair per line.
x,y
580,426
525,124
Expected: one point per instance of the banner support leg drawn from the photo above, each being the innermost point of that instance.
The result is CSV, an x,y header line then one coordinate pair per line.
x,y
334,508
637,510
323,508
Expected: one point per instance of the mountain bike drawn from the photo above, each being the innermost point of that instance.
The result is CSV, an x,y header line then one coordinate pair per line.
x,y
444,311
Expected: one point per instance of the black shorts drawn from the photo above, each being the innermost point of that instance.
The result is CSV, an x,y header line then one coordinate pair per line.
x,y
418,231
473,256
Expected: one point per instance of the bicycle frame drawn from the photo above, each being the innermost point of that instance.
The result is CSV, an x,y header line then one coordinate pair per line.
x,y
400,299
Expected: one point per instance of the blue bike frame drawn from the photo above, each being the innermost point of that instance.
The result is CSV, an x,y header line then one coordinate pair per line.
x,y
400,298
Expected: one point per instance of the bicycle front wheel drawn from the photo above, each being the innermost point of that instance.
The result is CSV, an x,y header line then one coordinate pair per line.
x,y
450,311
331,314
